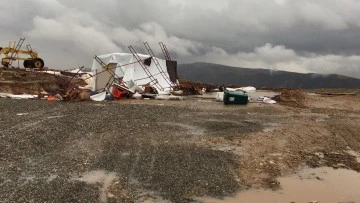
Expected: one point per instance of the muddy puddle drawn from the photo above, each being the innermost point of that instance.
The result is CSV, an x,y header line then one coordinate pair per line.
x,y
99,177
323,185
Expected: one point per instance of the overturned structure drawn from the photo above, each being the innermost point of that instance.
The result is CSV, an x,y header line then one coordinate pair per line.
x,y
134,71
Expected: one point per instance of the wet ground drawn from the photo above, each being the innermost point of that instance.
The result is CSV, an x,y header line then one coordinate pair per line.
x,y
167,151
309,185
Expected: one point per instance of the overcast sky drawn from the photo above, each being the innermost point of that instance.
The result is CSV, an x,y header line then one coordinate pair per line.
x,y
321,36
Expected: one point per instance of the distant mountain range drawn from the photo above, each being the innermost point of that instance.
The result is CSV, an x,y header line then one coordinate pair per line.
x,y
225,75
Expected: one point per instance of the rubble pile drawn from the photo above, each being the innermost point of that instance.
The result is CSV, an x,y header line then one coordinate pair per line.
x,y
194,88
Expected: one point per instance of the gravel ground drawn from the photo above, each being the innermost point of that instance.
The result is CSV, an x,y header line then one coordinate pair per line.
x,y
158,151
45,146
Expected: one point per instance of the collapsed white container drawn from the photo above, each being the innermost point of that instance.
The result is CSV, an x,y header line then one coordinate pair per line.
x,y
126,66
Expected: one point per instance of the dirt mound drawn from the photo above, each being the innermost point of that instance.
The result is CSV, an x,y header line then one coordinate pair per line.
x,y
194,88
20,81
293,98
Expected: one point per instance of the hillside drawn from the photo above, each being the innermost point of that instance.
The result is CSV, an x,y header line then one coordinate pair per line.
x,y
220,74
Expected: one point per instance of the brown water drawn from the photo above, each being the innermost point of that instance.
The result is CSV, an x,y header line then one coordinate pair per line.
x,y
324,185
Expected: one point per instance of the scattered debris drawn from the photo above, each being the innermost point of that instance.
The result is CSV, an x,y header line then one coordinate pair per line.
x,y
220,96
98,97
22,114
74,93
21,96
266,100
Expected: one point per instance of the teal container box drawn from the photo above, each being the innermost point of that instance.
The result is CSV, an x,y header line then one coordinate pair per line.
x,y
235,97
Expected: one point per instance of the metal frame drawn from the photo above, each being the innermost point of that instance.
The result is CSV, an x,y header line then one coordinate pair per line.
x,y
107,68
165,51
167,56
148,73
151,53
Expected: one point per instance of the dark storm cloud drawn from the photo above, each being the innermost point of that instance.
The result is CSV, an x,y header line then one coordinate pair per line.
x,y
304,36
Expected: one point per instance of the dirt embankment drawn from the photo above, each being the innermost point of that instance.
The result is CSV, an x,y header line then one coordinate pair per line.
x,y
293,98
20,81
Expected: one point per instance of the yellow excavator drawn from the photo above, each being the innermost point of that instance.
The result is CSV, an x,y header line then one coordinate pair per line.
x,y
13,51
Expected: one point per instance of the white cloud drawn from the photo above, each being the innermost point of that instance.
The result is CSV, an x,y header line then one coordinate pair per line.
x,y
153,32
75,30
90,37
318,14
304,36
213,5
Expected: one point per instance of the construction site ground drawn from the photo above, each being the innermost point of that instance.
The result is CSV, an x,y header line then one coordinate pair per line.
x,y
168,151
